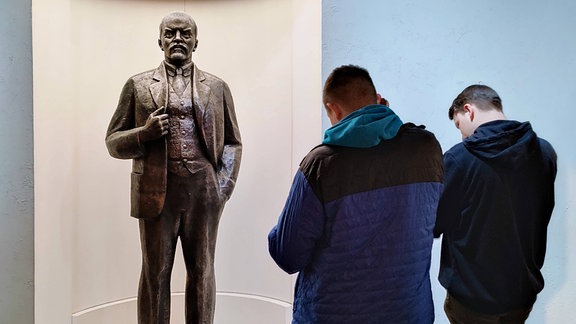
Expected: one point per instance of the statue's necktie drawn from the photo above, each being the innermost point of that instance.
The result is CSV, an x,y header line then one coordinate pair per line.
x,y
179,84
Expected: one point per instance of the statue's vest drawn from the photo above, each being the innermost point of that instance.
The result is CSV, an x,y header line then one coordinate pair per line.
x,y
185,152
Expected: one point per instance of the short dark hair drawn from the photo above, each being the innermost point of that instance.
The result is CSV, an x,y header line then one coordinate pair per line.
x,y
351,85
484,97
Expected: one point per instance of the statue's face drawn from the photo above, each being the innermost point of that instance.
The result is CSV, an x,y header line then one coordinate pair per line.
x,y
178,39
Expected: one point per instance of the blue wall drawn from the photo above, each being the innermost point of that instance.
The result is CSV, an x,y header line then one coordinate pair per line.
x,y
421,54
16,164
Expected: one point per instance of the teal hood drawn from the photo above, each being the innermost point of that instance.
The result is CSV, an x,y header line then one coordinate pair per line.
x,y
366,127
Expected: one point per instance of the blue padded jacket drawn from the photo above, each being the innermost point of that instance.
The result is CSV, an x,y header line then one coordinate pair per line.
x,y
357,226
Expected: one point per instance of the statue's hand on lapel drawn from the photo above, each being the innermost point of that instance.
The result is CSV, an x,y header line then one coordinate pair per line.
x,y
157,125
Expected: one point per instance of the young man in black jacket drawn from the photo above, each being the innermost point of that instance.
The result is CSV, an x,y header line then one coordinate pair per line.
x,y
494,211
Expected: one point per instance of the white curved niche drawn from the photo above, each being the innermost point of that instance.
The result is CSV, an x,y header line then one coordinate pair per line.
x,y
230,308
87,253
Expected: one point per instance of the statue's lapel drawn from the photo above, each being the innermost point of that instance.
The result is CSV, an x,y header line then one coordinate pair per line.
x,y
159,86
201,93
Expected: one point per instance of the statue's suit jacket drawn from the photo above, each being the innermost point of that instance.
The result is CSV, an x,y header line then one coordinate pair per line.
x,y
217,128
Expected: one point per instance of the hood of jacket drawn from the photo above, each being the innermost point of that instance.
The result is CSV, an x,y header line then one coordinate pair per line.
x,y
365,127
503,142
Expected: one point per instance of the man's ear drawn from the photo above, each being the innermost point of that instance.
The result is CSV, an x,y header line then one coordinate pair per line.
x,y
381,100
160,44
335,109
471,109
195,45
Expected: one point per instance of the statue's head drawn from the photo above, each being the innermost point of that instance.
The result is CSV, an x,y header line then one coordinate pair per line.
x,y
178,38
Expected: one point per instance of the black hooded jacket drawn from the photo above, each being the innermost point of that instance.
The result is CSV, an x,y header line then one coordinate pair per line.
x,y
497,201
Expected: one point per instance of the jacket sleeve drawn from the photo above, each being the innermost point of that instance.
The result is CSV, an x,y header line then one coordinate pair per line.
x,y
122,137
232,151
292,241
449,210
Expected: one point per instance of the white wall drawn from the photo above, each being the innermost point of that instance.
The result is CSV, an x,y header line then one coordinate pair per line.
x,y
16,164
421,54
87,246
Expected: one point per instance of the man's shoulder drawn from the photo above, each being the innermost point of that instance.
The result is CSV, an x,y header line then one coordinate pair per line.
x,y
459,157
316,156
146,75
417,134
411,128
547,148
457,149
209,77
320,152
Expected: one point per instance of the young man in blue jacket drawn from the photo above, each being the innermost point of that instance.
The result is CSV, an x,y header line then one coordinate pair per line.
x,y
358,222
494,212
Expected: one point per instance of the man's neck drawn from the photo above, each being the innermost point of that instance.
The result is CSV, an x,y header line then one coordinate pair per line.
x,y
488,116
